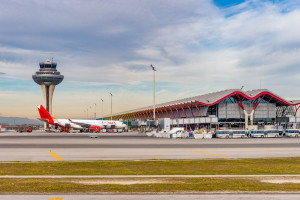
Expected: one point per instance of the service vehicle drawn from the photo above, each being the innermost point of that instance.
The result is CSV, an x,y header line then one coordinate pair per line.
x,y
231,133
257,133
272,133
292,132
29,130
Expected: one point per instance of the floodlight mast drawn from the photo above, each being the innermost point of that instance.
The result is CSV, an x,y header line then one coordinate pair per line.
x,y
91,112
102,108
95,111
110,105
153,68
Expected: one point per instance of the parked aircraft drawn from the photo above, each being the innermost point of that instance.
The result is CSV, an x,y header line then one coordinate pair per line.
x,y
81,124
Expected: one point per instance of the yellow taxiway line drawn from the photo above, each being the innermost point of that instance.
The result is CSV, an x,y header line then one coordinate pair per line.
x,y
211,154
57,198
55,156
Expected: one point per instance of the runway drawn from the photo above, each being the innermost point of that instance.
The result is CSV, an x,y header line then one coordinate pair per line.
x,y
152,197
133,146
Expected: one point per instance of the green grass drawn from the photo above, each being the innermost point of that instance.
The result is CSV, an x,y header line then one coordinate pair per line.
x,y
178,185
156,167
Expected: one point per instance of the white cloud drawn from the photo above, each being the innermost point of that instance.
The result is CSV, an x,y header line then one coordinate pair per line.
x,y
195,46
219,49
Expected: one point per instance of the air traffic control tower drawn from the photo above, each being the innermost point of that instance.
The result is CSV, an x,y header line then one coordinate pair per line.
x,y
48,77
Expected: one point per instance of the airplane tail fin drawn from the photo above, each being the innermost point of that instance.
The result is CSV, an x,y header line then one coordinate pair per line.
x,y
45,115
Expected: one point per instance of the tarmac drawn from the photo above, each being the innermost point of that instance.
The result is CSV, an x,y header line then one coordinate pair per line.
x,y
261,196
42,146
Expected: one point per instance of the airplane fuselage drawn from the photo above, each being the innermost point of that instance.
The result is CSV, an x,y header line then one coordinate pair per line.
x,y
93,125
86,123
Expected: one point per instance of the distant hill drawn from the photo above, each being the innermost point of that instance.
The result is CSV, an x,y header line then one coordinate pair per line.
x,y
19,120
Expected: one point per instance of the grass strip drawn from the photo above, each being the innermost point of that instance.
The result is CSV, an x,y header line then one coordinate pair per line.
x,y
270,166
169,185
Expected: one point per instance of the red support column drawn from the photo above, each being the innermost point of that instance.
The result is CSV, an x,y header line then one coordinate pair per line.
x,y
162,113
255,106
179,115
167,113
296,110
146,115
240,102
172,112
191,111
186,116
151,111
151,114
133,117
141,113
157,111
198,110
168,116
184,112
178,112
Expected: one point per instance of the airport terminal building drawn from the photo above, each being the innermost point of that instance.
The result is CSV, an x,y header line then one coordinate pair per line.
x,y
232,108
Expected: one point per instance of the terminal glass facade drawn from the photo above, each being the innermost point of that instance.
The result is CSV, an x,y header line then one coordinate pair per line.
x,y
231,111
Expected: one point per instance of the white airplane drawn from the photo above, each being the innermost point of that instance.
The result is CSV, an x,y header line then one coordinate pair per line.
x,y
82,124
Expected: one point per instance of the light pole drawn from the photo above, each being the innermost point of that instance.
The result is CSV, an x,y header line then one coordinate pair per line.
x,y
110,105
95,111
102,108
153,68
87,113
91,112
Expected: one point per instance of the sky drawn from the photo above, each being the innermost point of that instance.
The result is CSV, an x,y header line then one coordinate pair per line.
x,y
101,46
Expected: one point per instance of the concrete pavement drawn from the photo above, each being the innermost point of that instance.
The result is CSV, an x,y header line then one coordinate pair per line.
x,y
153,197
133,146
148,176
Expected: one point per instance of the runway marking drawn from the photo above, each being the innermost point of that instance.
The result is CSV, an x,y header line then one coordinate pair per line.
x,y
211,154
57,198
55,156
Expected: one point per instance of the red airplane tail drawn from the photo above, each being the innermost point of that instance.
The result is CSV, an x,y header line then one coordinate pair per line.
x,y
45,115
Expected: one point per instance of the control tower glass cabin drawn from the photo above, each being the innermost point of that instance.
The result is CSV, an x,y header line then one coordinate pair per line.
x,y
48,77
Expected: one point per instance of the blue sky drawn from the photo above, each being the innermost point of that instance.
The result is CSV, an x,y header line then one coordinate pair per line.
x,y
227,3
198,46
